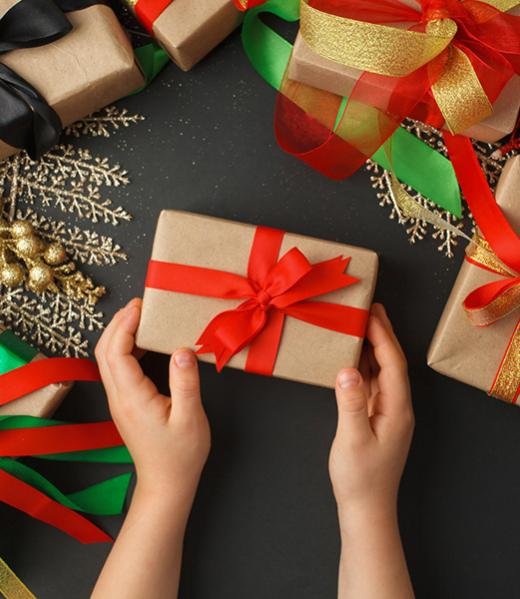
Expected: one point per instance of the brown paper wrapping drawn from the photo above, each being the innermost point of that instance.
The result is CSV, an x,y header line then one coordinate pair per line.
x,y
307,353
459,349
84,71
306,66
42,403
189,30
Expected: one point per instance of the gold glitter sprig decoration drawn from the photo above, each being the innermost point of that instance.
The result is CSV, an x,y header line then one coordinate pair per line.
x,y
43,267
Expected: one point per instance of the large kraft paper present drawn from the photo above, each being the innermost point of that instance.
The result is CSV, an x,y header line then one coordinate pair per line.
x,y
307,352
308,67
15,353
87,69
188,30
485,357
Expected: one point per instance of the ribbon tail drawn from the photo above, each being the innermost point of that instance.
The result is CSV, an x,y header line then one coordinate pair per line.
x,y
25,498
229,332
261,358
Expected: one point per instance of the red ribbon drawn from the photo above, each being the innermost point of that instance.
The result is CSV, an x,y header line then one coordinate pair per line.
x,y
40,373
49,440
148,11
488,37
244,5
273,289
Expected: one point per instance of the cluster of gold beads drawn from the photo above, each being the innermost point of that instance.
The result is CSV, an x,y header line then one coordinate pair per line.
x,y
26,259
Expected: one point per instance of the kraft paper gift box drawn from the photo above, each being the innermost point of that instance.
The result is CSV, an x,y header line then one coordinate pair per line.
x,y
473,354
308,67
87,69
188,30
307,353
41,403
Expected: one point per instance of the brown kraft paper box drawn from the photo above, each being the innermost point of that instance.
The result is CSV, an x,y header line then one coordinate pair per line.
x,y
84,71
459,349
307,353
308,67
41,403
188,30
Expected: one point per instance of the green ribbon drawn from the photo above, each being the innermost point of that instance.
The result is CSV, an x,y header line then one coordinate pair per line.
x,y
152,59
101,499
414,162
14,352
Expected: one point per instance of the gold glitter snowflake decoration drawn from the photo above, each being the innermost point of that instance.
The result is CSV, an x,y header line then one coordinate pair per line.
x,y
418,229
72,181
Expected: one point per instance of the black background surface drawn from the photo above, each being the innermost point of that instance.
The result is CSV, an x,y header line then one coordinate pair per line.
x,y
264,523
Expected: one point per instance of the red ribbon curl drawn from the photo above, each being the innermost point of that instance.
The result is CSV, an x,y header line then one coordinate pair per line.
x,y
273,289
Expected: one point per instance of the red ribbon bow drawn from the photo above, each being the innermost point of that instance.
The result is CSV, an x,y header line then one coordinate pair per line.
x,y
273,289
488,37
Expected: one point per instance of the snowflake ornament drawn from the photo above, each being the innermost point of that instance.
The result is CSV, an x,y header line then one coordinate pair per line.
x,y
73,181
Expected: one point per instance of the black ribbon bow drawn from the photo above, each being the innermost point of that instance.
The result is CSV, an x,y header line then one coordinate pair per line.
x,y
26,119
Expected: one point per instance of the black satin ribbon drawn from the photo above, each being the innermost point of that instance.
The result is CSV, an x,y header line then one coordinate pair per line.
x,y
26,119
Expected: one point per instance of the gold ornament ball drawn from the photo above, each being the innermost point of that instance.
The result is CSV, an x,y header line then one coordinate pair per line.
x,y
55,254
21,228
11,274
28,246
40,277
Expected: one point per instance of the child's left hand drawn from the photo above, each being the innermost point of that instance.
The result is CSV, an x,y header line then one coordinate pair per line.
x,y
168,437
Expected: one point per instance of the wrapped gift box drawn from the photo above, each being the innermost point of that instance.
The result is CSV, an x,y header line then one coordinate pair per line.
x,y
459,349
84,71
188,30
42,403
307,353
308,67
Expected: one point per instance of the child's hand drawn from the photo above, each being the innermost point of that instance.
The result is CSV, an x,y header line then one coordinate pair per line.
x,y
168,438
375,426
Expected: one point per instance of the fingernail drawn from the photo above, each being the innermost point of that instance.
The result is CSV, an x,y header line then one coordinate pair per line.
x,y
348,379
184,359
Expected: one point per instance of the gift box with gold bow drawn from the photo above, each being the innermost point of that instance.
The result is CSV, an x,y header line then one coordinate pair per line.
x,y
14,354
187,30
56,67
450,63
477,340
256,298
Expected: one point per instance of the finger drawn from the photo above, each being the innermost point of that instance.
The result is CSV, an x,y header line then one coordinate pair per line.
x,y
101,347
394,396
352,405
124,369
184,382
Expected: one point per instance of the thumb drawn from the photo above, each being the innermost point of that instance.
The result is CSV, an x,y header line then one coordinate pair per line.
x,y
352,405
184,381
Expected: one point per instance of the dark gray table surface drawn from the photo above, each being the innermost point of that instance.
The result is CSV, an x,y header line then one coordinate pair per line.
x,y
264,524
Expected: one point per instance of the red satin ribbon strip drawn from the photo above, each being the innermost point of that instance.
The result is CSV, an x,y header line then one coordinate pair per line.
x,y
62,438
273,289
40,373
489,217
148,11
22,496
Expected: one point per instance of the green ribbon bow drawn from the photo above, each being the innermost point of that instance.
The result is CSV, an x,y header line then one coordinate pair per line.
x,y
414,162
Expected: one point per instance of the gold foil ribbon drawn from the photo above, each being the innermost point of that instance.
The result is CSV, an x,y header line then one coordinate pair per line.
x,y
507,380
396,52
371,47
11,587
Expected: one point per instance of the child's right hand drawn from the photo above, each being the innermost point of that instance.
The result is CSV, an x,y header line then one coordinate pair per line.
x,y
375,426
168,437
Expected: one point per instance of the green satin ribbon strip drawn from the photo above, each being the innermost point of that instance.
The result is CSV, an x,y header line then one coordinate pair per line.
x,y
102,499
152,59
416,164
14,352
